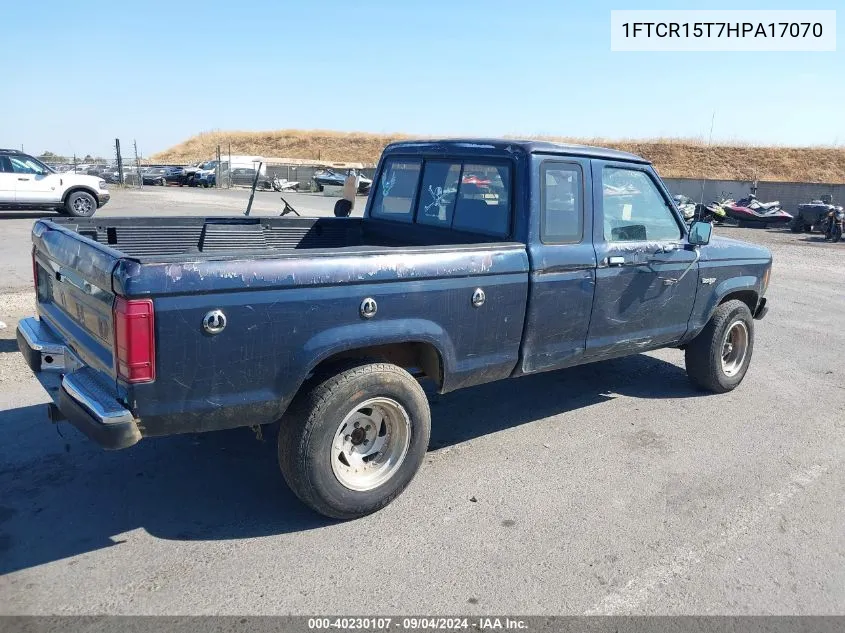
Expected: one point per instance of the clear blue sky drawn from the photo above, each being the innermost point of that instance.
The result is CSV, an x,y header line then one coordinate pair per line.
x,y
77,74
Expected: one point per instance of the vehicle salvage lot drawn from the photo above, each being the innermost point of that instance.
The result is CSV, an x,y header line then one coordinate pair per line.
x,y
610,488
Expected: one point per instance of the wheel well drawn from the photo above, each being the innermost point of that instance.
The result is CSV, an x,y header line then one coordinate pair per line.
x,y
748,297
80,188
418,358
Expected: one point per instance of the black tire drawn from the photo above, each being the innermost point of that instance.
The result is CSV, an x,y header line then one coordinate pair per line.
x,y
797,225
835,234
80,204
309,428
704,353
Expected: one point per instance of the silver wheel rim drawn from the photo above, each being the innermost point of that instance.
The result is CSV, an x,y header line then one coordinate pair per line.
x,y
734,348
370,444
82,204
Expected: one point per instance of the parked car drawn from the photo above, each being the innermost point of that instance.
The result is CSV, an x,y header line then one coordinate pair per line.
x,y
206,178
212,323
154,176
27,183
244,177
173,175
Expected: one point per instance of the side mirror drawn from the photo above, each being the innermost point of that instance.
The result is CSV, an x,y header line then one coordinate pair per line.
x,y
699,233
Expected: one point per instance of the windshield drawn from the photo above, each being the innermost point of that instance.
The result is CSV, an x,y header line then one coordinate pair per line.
x,y
209,165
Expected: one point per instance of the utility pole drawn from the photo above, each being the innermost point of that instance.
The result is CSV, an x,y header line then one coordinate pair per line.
x,y
119,162
137,164
217,171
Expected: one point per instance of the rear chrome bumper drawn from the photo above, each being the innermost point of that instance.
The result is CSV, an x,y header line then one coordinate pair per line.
x,y
79,393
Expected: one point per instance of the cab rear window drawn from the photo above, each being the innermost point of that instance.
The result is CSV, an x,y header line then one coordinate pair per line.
x,y
397,187
472,196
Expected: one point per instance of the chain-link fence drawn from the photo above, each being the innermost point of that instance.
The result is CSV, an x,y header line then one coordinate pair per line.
x,y
224,170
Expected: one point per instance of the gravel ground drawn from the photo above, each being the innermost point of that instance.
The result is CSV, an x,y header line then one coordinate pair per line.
x,y
611,488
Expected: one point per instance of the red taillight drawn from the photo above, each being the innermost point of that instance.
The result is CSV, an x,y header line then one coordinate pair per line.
x,y
134,339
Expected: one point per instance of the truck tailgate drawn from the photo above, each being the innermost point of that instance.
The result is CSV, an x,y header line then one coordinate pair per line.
x,y
74,291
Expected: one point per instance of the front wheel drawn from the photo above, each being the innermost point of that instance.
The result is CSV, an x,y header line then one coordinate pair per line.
x,y
718,358
80,204
354,438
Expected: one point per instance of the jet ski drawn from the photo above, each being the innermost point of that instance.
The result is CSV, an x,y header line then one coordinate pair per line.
x,y
749,210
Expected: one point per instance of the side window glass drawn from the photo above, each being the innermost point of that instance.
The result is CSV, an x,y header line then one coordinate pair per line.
x,y
562,214
633,208
397,186
23,166
483,204
438,193
5,165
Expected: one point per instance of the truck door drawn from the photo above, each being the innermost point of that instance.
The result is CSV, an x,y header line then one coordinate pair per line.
x,y
645,277
33,185
8,181
563,264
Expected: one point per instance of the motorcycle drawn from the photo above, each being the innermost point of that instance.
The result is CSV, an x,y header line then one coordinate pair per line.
x,y
692,211
283,184
714,212
832,224
810,215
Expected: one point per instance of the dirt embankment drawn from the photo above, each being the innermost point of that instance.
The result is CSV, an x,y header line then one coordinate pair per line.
x,y
674,158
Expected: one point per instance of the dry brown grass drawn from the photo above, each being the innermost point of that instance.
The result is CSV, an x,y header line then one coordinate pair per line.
x,y
674,158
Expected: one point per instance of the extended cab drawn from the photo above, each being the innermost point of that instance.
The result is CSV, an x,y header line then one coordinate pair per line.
x,y
475,261
27,183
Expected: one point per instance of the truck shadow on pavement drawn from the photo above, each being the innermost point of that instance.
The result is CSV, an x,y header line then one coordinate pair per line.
x,y
62,496
8,345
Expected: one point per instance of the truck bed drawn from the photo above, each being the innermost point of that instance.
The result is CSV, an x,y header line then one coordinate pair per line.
x,y
292,292
170,239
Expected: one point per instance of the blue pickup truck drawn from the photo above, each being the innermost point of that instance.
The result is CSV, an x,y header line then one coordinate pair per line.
x,y
475,261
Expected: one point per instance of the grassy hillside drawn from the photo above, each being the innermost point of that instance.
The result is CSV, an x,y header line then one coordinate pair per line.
x,y
674,158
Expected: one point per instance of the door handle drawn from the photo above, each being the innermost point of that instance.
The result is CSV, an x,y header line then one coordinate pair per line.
x,y
23,178
616,260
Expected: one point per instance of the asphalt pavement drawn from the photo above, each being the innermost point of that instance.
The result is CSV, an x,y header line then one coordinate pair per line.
x,y
613,488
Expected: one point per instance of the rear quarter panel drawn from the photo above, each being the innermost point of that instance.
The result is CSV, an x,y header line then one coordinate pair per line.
x,y
285,315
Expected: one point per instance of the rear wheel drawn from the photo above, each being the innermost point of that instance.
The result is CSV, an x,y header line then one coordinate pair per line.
x,y
80,204
354,438
718,358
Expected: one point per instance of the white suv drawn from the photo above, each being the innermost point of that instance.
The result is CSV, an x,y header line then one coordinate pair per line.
x,y
27,183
